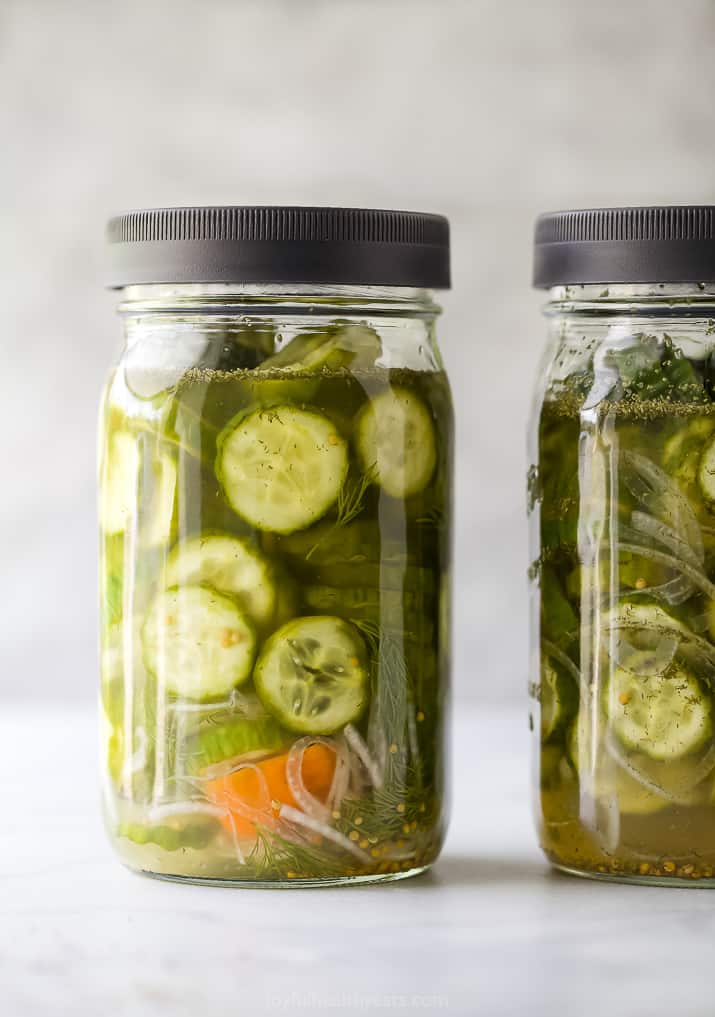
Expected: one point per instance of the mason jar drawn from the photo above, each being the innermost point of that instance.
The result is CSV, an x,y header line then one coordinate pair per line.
x,y
622,509
275,514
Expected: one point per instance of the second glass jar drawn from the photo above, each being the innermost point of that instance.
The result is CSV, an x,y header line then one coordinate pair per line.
x,y
622,493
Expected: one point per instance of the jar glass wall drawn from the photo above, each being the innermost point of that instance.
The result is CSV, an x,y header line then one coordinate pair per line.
x,y
622,510
275,509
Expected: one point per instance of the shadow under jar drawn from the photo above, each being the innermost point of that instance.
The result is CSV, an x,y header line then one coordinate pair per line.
x,y
275,512
622,504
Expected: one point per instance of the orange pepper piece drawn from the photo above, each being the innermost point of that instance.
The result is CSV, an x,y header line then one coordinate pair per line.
x,y
246,786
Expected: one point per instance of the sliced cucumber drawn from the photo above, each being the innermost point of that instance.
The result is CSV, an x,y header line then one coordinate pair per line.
x,y
230,565
160,504
633,798
395,438
682,451
706,472
197,642
329,350
312,675
195,835
558,699
233,738
132,484
119,482
282,468
664,716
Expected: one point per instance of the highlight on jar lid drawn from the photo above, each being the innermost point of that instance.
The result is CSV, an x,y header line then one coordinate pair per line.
x,y
279,244
648,244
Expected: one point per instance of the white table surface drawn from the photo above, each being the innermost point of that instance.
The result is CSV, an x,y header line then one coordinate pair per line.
x,y
490,931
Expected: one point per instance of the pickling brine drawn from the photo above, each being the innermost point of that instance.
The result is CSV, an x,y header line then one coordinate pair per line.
x,y
275,505
622,492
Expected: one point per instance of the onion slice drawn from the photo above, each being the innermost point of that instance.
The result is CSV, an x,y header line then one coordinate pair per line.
x,y
655,489
658,530
694,574
359,747
260,815
291,815
307,801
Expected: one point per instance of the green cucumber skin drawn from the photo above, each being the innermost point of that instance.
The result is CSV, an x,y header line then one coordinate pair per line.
x,y
194,835
230,737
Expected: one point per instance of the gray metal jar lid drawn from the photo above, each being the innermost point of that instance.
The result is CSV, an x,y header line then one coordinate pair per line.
x,y
649,244
279,244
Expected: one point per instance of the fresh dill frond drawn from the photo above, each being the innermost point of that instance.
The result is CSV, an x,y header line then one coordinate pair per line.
x,y
350,504
387,813
275,857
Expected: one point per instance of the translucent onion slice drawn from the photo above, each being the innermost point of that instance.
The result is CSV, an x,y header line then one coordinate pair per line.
x,y
703,768
656,529
261,815
359,747
291,815
656,490
307,801
694,574
643,662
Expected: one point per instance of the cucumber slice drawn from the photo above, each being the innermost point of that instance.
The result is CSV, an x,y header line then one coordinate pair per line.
x,y
664,716
329,350
160,501
131,483
706,472
230,565
633,798
682,451
232,738
557,698
312,675
395,438
197,642
119,483
195,835
282,468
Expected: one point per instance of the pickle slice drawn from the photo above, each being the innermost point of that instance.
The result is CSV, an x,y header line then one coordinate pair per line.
x,y
395,438
281,468
664,716
120,478
230,565
197,642
232,738
312,675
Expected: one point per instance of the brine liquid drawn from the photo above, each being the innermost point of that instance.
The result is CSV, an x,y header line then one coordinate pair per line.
x,y
606,806
379,562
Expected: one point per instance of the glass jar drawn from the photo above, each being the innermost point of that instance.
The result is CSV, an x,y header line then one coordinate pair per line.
x,y
275,511
622,507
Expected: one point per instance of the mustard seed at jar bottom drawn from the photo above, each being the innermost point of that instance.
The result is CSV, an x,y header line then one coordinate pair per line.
x,y
275,515
622,508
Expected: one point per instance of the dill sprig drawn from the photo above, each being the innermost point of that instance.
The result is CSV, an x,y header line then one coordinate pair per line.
x,y
350,504
390,812
273,856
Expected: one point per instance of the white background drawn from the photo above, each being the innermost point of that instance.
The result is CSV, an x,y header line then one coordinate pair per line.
x,y
487,110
